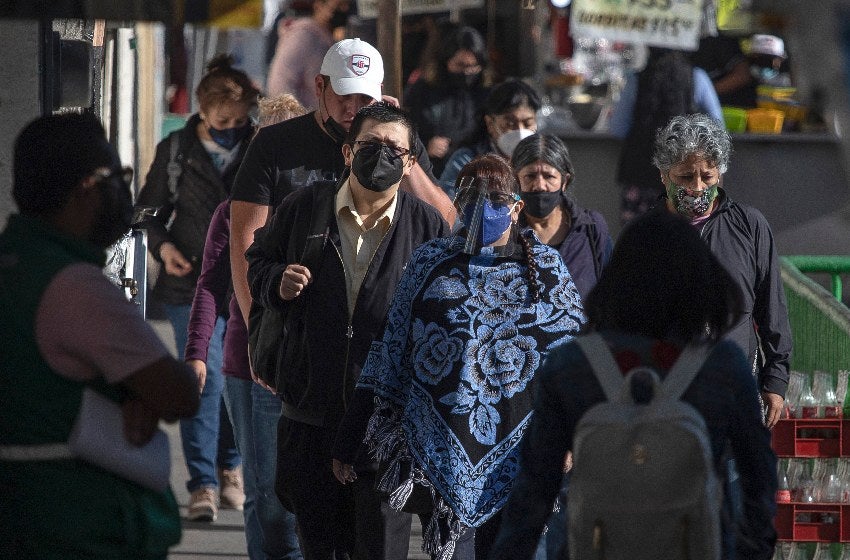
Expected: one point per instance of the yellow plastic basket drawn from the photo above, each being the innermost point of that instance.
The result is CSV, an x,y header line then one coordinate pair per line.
x,y
765,121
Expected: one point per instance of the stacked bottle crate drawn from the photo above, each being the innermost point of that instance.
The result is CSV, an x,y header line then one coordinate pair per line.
x,y
812,442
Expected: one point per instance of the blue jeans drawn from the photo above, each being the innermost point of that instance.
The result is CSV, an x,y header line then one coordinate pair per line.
x,y
207,437
269,528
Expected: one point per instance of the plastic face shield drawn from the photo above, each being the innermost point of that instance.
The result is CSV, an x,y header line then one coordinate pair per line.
x,y
472,196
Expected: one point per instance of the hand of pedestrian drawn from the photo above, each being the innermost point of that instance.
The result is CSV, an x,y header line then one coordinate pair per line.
x,y
259,381
200,369
344,473
173,260
389,99
295,278
773,404
438,146
140,422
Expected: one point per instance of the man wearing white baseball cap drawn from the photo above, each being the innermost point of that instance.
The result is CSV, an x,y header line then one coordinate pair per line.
x,y
289,155
354,66
767,56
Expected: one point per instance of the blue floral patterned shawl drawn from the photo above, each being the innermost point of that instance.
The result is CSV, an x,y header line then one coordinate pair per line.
x,y
453,372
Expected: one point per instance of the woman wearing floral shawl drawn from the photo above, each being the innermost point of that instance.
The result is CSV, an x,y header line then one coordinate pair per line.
x,y
446,394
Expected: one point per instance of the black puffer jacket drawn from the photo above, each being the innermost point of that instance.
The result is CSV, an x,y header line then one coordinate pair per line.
x,y
200,190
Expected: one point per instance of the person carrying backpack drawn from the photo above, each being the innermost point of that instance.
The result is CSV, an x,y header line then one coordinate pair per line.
x,y
191,174
663,299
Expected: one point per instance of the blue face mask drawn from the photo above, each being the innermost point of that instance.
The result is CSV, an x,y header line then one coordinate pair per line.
x,y
228,138
495,220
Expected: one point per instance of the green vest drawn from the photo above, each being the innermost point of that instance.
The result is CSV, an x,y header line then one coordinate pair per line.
x,y
59,508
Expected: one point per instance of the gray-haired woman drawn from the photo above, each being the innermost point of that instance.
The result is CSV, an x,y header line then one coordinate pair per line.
x,y
544,169
692,153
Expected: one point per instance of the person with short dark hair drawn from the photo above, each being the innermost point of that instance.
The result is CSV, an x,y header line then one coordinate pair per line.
x,y
372,229
662,290
446,389
66,331
507,116
287,156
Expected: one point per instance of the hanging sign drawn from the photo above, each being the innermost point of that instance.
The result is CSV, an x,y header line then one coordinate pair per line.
x,y
368,9
661,23
225,13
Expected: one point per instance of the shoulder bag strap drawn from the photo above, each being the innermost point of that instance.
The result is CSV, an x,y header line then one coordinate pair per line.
x,y
174,168
602,362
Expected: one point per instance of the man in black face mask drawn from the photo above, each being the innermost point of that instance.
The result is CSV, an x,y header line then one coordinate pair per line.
x,y
373,227
287,156
65,327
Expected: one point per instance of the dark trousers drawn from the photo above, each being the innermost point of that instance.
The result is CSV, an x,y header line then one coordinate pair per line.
x,y
335,522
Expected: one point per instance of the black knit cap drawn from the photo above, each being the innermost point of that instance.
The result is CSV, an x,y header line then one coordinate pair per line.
x,y
52,155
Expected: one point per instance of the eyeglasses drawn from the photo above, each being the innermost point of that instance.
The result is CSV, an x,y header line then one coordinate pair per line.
x,y
123,173
396,150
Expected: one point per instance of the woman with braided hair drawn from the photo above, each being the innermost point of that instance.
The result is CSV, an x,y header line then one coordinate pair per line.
x,y
446,392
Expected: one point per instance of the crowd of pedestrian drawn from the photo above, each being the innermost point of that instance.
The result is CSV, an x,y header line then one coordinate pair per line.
x,y
438,367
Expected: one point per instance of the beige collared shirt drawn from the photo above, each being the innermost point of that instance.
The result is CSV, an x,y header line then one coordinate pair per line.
x,y
358,244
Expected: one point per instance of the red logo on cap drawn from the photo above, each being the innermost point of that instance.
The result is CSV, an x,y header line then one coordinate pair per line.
x,y
359,64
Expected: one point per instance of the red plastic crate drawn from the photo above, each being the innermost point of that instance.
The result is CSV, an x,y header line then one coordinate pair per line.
x,y
811,437
812,522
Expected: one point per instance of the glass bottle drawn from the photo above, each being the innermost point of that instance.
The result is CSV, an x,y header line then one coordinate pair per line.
x,y
808,404
807,485
783,490
824,393
822,552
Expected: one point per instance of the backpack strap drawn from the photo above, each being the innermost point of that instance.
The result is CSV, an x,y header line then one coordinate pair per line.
x,y
602,363
174,168
683,372
607,371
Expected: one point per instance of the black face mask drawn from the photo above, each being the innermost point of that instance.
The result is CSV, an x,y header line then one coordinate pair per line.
x,y
339,19
540,204
333,128
116,213
376,167
462,80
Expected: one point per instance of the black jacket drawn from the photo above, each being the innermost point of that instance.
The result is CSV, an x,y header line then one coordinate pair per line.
x,y
339,343
200,190
587,247
741,239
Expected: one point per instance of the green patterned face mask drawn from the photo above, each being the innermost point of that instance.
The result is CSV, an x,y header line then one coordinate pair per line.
x,y
688,205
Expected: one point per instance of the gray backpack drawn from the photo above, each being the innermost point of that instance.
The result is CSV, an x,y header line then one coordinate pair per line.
x,y
643,484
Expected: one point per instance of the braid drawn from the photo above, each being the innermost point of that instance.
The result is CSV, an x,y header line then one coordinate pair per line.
x,y
533,286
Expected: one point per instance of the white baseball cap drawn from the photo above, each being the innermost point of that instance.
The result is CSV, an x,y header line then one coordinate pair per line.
x,y
767,44
354,66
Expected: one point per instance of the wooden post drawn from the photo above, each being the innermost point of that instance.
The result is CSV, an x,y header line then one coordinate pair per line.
x,y
389,45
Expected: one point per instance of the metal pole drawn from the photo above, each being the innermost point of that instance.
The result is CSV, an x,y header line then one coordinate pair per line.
x,y
389,44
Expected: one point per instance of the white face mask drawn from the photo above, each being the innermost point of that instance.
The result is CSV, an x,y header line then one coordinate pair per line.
x,y
508,141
